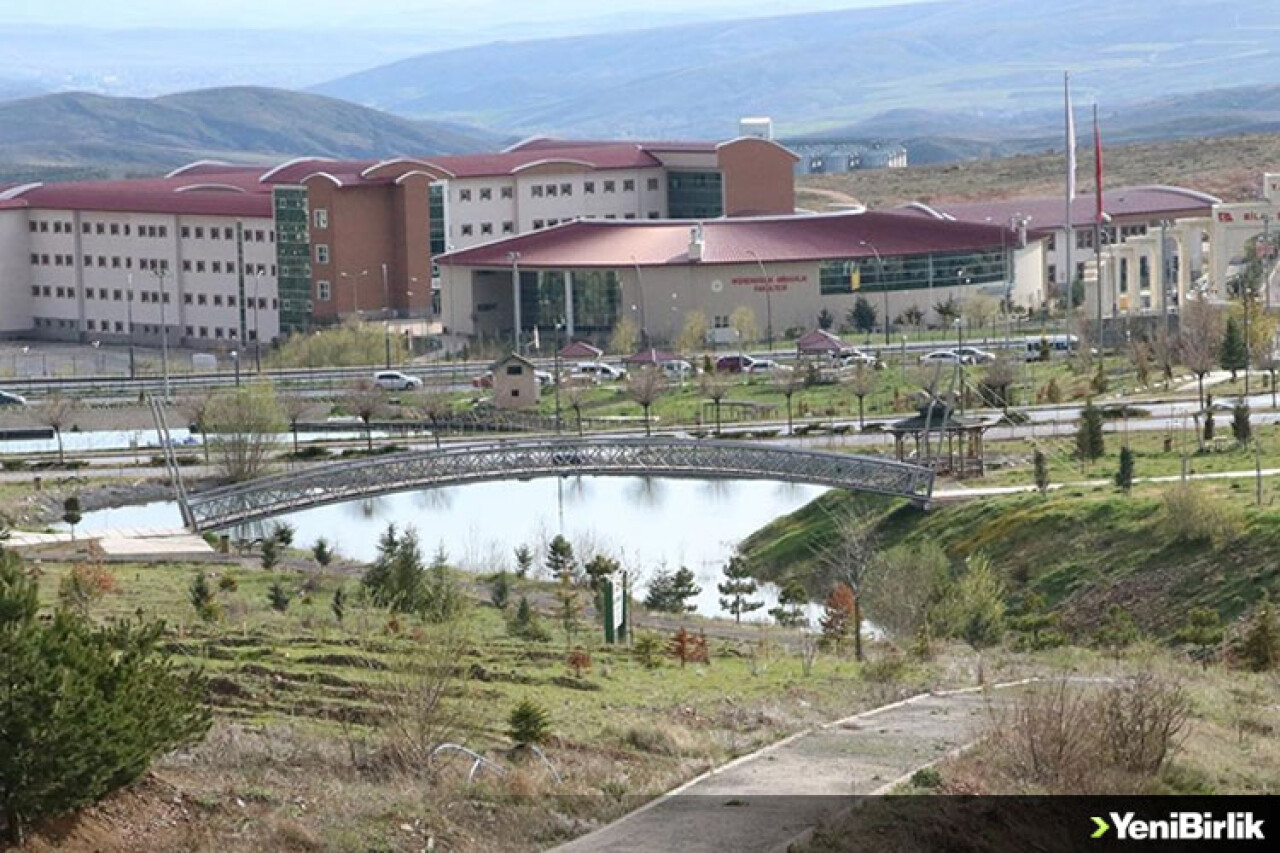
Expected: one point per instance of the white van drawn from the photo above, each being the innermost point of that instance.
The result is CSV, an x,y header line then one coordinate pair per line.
x,y
599,371
1060,346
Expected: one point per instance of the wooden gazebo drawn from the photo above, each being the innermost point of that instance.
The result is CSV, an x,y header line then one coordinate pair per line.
x,y
953,444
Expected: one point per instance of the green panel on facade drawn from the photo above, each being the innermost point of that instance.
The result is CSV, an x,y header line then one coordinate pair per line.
x,y
695,195
293,258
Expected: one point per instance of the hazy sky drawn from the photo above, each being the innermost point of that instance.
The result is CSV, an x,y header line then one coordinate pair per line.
x,y
376,14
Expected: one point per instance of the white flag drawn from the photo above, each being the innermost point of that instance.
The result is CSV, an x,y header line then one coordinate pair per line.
x,y
537,344
1071,138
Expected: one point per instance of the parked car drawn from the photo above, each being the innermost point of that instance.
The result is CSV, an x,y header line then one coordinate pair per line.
x,y
543,377
677,370
768,365
973,355
394,380
599,371
853,358
941,356
8,398
734,363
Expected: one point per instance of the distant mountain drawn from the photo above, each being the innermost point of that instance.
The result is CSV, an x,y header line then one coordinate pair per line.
x,y
76,133
823,70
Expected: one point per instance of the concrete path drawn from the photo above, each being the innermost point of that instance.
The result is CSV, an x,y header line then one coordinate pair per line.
x,y
763,801
133,543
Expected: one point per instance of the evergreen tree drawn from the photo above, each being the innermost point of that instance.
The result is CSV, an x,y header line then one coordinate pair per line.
x,y
599,568
201,598
283,533
837,615
1042,472
1090,444
524,561
669,592
441,597
322,553
1124,474
1233,355
981,603
1240,426
1117,632
792,599
270,553
1203,629
1037,627
525,624
826,319
396,580
737,589
71,513
83,709
862,316
1260,646
500,592
338,604
278,598
568,605
528,723
560,559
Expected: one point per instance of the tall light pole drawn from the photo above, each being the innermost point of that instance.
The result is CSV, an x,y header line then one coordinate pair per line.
x,y
235,359
768,299
644,327
560,324
960,361
355,289
514,257
161,273
386,325
133,371
883,286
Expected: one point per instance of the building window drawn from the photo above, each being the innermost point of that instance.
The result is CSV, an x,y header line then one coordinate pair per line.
x,y
629,216
486,227
466,230
566,189
215,234
322,253
536,190
320,217
464,195
217,300
538,223
199,232
551,189
508,227
231,302
163,231
485,194
506,192
100,228
186,265
588,187
629,185
215,266
204,331
653,214
229,233
610,186
186,232
199,266
115,229
33,226
720,321
186,299
322,291
86,228
231,266
88,293
35,290
202,299
44,227
652,184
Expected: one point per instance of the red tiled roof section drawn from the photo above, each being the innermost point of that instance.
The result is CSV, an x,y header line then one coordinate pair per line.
x,y
597,243
213,195
1123,202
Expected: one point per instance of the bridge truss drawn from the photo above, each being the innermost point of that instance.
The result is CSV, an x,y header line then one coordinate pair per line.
x,y
337,482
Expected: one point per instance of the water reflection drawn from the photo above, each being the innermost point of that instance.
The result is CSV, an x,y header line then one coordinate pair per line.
x,y
646,523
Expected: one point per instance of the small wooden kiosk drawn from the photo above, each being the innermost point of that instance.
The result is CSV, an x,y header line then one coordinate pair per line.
x,y
953,442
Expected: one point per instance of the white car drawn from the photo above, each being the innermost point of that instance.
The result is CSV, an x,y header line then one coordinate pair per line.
x,y
394,380
8,398
543,377
768,365
973,355
941,356
599,371
852,358
677,369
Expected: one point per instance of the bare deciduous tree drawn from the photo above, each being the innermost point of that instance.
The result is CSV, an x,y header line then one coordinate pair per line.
x,y
743,322
1165,351
195,406
243,423
435,406
295,408
645,386
576,395
1200,339
365,400
715,387
57,412
862,382
848,557
789,383
693,335
999,377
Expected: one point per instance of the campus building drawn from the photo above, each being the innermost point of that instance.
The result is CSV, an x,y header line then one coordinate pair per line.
x,y
220,253
586,275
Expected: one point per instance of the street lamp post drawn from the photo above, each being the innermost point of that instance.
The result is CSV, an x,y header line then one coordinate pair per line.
x,y
560,324
161,273
883,287
133,370
768,299
235,360
514,257
960,360
639,306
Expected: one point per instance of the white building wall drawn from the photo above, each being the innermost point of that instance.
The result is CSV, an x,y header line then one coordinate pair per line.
x,y
15,272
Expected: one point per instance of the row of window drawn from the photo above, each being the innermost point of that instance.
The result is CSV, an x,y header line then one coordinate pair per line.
x,y
116,262
116,229
588,188
486,193
150,297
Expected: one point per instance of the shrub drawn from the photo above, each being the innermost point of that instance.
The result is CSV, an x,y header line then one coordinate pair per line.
x,y
86,709
83,585
227,583
648,649
322,553
927,778
687,647
270,553
579,660
528,723
884,670
201,598
1193,516
525,623
658,739
1260,645
500,591
283,533
278,598
1141,722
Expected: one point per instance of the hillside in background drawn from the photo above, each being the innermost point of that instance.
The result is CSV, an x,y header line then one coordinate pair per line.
x,y
811,72
80,135
1230,168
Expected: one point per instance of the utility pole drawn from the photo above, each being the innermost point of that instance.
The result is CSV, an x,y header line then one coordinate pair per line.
x,y
514,257
884,287
160,274
257,330
133,370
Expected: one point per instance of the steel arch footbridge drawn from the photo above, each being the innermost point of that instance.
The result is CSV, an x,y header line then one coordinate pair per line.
x,y
337,482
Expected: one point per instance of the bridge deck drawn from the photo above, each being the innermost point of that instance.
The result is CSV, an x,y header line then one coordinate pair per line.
x,y
665,457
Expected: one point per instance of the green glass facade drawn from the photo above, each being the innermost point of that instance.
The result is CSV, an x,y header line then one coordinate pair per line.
x,y
695,195
597,296
435,210
293,258
913,272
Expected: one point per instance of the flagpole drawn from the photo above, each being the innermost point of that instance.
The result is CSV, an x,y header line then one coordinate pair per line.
x,y
1071,191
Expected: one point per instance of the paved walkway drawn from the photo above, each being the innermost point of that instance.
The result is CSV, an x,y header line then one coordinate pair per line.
x,y
139,543
763,801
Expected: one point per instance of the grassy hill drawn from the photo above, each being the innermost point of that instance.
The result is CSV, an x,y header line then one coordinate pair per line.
x,y
1228,167
823,70
1083,552
75,132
